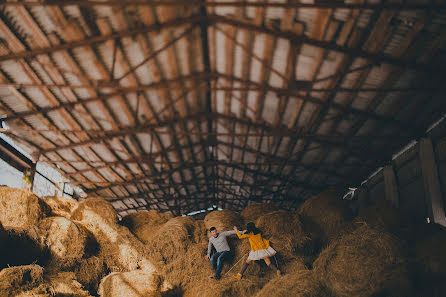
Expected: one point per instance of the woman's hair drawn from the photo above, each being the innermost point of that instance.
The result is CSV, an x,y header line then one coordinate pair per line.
x,y
251,228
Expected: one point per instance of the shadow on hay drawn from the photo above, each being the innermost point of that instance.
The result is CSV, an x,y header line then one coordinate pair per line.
x,y
17,248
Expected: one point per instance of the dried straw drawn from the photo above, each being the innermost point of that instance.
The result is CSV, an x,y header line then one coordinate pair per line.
x,y
21,209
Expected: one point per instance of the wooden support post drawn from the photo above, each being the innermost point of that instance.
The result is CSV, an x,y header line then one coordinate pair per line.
x,y
391,185
28,177
431,180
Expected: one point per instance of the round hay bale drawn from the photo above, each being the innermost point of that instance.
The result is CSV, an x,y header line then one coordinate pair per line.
x,y
17,279
364,262
96,209
144,223
130,284
65,240
61,206
324,215
285,232
301,283
20,209
253,211
222,220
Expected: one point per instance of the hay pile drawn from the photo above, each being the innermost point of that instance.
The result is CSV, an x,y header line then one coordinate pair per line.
x,y
20,209
301,283
61,206
253,211
324,215
130,284
364,262
145,223
286,233
223,220
20,278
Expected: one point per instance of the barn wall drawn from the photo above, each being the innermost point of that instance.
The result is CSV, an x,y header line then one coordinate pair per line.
x,y
421,194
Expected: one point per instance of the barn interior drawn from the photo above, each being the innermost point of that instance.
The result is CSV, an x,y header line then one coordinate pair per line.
x,y
323,122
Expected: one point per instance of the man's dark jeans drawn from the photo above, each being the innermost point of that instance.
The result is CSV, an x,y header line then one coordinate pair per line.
x,y
217,262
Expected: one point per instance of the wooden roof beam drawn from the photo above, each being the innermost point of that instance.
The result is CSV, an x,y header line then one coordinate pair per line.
x,y
193,20
175,3
301,38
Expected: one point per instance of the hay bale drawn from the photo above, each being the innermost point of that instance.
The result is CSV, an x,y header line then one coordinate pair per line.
x,y
96,207
301,283
65,240
364,262
286,233
253,211
61,206
222,220
324,215
16,279
20,209
145,223
130,284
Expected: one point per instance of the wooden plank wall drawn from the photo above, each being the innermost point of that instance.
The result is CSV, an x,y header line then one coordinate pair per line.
x,y
414,181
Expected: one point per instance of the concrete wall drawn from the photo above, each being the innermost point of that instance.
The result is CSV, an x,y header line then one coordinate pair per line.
x,y
415,180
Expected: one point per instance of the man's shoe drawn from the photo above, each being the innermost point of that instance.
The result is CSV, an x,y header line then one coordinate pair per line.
x,y
278,272
238,276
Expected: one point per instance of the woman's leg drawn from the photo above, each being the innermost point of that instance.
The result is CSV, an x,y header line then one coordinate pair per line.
x,y
271,265
244,267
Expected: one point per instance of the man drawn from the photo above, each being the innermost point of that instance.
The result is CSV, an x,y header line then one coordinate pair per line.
x,y
218,240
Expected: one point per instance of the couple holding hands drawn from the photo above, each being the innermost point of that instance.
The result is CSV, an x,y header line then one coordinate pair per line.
x,y
260,249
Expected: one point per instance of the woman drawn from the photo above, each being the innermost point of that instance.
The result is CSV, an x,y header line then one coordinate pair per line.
x,y
260,248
